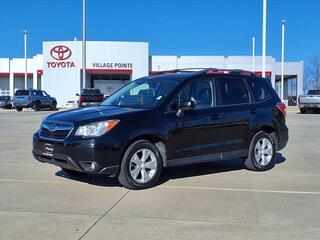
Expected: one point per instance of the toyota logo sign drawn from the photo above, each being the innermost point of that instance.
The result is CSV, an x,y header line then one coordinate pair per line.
x,y
60,52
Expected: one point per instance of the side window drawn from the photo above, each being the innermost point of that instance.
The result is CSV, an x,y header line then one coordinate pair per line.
x,y
259,89
232,91
199,90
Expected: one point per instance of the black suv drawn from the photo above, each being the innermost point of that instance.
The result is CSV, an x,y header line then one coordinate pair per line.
x,y
173,118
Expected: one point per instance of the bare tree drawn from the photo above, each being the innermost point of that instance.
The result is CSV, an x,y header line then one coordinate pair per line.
x,y
313,72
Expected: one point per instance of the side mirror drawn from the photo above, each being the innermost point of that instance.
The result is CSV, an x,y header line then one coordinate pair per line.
x,y
77,94
187,105
184,107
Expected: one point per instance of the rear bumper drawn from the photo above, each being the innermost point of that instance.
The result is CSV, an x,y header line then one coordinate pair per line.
x,y
82,155
89,104
309,105
23,105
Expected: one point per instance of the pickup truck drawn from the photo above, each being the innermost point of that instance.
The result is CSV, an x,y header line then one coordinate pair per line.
x,y
310,101
32,98
90,97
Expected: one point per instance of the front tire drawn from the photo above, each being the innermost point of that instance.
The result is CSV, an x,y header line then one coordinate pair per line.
x,y
19,109
262,152
141,166
37,106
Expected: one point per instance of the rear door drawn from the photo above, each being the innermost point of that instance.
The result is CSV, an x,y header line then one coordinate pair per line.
x,y
236,108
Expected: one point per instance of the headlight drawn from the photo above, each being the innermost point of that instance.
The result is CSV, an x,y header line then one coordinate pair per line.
x,y
96,129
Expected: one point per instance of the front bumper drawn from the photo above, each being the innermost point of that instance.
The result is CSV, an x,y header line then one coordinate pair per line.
x,y
83,155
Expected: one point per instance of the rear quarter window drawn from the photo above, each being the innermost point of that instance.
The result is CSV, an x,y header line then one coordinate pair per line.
x,y
259,89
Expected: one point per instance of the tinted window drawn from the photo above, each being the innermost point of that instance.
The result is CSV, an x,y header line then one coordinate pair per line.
x,y
232,91
91,92
314,92
259,89
22,92
200,91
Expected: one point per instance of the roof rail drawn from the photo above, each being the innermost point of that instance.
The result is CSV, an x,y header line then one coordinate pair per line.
x,y
208,71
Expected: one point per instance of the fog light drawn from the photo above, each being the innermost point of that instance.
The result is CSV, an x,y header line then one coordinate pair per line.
x,y
93,166
90,166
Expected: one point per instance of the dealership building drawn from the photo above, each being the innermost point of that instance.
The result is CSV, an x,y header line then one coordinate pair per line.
x,y
110,65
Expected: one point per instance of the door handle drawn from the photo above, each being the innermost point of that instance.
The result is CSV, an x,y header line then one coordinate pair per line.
x,y
253,111
215,116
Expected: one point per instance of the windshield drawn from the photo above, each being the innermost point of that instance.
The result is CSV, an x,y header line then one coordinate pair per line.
x,y
314,92
143,93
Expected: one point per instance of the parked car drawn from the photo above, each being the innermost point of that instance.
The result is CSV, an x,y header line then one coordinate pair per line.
x,y
90,97
167,120
70,104
310,101
5,102
32,98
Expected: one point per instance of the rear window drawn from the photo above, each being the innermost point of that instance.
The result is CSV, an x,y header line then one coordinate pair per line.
x,y
4,98
232,90
22,93
91,92
259,89
314,92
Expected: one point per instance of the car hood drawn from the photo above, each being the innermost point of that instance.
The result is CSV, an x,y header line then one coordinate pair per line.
x,y
89,114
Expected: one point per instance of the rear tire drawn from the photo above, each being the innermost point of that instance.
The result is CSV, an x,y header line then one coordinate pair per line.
x,y
37,106
19,109
141,166
302,110
262,152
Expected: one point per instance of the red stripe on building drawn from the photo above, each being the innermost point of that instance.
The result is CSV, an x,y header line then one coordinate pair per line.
x,y
19,74
4,74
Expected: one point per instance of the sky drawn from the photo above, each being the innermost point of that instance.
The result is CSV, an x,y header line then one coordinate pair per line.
x,y
172,27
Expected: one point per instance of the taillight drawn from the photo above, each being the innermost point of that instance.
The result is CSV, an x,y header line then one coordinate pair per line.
x,y
282,107
81,99
29,98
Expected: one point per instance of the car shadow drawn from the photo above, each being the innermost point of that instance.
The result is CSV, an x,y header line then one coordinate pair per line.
x,y
208,168
169,173
92,179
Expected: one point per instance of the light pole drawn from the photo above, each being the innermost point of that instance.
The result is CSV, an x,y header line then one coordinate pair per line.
x,y
83,85
253,53
264,33
282,60
25,60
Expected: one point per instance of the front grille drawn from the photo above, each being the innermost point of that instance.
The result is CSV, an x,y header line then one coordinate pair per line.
x,y
55,130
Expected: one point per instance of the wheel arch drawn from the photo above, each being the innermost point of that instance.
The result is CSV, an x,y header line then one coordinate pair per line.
x,y
155,139
268,129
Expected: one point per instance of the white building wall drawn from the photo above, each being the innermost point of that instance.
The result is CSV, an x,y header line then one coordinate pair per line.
x,y
64,82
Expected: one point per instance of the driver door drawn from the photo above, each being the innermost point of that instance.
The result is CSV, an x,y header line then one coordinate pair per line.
x,y
193,133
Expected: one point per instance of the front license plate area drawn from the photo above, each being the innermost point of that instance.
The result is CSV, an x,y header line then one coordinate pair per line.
x,y
48,149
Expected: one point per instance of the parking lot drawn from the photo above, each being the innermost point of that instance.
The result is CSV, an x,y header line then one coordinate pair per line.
x,y
220,200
